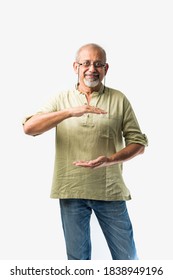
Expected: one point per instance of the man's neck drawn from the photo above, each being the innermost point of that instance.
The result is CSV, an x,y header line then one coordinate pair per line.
x,y
88,90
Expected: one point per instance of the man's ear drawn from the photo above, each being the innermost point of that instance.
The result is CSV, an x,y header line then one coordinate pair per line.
x,y
106,67
76,67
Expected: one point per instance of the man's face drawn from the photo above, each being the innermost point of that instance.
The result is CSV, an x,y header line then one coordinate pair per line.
x,y
91,67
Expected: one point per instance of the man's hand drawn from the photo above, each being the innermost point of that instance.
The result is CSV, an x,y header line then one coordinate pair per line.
x,y
40,123
80,111
125,154
96,163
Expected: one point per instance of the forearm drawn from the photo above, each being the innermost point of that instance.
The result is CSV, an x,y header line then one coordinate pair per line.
x,y
127,153
41,123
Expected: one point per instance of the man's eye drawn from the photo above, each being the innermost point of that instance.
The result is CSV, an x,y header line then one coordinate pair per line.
x,y
86,63
98,64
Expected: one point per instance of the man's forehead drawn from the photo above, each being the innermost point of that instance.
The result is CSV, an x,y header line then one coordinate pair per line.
x,y
88,52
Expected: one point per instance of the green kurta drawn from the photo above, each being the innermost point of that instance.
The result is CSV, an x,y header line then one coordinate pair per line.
x,y
88,137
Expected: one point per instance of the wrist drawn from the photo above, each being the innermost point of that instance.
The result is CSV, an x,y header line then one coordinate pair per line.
x,y
112,159
68,113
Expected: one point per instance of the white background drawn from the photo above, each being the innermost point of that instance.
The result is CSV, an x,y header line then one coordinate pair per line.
x,y
39,39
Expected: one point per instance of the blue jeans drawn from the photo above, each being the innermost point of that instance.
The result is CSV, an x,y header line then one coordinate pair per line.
x,y
114,221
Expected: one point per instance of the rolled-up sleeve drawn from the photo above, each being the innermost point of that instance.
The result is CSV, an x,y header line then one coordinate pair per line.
x,y
130,127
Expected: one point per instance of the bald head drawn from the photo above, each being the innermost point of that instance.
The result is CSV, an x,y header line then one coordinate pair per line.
x,y
89,47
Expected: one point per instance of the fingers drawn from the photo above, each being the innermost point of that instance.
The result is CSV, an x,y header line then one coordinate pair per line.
x,y
82,163
91,163
95,110
79,111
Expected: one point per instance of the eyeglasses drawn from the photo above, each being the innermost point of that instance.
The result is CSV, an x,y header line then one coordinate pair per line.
x,y
96,64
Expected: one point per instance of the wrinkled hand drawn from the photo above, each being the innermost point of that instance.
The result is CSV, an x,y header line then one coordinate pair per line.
x,y
79,111
96,163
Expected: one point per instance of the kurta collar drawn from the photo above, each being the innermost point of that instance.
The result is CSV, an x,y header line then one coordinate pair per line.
x,y
101,91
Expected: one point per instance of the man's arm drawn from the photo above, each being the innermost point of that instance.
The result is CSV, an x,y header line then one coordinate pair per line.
x,y
41,123
125,154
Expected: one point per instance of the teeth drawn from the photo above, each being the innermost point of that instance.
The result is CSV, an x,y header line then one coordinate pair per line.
x,y
91,75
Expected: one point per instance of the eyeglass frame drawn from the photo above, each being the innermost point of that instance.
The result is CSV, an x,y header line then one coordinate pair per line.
x,y
101,65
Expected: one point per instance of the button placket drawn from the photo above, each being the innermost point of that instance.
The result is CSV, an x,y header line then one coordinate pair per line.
x,y
88,119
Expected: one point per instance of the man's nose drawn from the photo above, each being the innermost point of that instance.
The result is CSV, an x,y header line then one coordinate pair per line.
x,y
92,66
